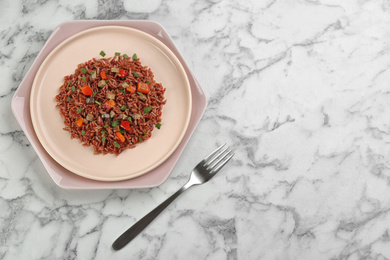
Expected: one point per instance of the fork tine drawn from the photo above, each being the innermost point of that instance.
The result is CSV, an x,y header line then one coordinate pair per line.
x,y
213,153
209,160
224,160
217,158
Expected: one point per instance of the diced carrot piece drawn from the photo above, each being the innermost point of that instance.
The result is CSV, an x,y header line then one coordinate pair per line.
x,y
86,90
80,121
131,89
143,87
103,75
122,73
120,136
109,104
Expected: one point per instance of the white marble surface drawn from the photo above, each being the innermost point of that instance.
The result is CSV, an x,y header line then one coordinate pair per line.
x,y
300,89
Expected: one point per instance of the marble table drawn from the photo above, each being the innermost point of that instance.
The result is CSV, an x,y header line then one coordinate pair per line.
x,y
299,89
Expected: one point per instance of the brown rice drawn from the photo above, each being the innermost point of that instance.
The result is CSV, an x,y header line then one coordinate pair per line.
x,y
103,105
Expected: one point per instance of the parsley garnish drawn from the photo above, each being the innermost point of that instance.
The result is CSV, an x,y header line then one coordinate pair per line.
x,y
147,109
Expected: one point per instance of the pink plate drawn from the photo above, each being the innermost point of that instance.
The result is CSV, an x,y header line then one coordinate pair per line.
x,y
66,178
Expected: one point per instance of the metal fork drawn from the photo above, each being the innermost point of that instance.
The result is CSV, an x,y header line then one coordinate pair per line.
x,y
202,172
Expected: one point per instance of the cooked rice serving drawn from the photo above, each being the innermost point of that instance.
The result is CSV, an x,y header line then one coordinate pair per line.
x,y
111,103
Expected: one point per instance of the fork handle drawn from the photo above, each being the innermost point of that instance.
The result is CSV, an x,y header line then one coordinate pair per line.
x,y
141,224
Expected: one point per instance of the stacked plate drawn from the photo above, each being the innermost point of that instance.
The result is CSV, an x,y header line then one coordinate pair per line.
x,y
73,166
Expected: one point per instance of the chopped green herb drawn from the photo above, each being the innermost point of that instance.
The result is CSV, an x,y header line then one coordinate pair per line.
x,y
139,93
123,108
67,86
94,94
122,131
136,74
103,139
125,56
117,145
103,131
143,132
79,109
140,139
106,81
83,133
158,125
115,123
117,53
148,82
147,109
106,125
97,102
129,118
68,99
92,72
121,90
73,89
135,56
102,53
84,78
83,70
